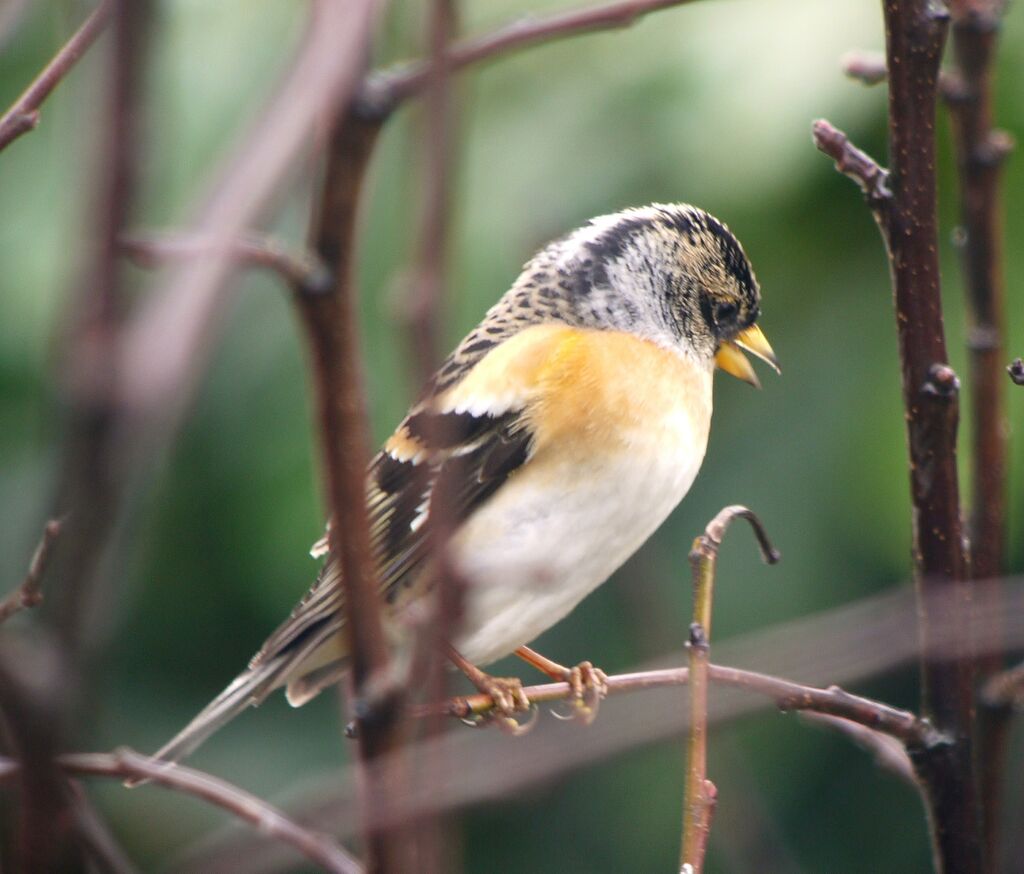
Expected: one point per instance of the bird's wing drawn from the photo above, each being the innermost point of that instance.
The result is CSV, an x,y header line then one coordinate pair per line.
x,y
454,450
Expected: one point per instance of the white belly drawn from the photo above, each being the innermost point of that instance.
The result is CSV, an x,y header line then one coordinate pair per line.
x,y
536,549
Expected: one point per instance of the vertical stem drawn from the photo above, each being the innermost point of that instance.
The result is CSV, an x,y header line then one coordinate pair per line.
x,y
980,150
700,793
699,797
332,331
915,34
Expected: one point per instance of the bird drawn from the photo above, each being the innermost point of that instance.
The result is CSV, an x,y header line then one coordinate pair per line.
x,y
557,437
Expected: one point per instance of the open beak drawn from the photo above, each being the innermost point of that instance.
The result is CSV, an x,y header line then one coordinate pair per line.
x,y
731,359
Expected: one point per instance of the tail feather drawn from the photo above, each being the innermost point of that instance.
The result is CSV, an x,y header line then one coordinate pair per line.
x,y
248,689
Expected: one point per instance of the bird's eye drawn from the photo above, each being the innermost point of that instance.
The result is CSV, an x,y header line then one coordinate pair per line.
x,y
725,312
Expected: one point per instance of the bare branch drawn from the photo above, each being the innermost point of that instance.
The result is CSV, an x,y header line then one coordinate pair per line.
x,y
127,765
1005,690
787,695
980,151
332,336
915,35
385,90
23,115
29,593
857,165
302,270
700,793
167,344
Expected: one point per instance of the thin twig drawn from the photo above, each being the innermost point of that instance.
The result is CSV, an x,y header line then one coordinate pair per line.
x,y
169,341
700,793
125,764
858,166
23,115
298,269
866,67
29,593
385,90
787,695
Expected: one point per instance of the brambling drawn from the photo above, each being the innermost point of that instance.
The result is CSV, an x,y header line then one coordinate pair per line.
x,y
557,437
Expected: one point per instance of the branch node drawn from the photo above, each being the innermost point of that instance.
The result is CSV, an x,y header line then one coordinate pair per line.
x,y
706,546
698,639
1016,370
853,162
865,67
941,382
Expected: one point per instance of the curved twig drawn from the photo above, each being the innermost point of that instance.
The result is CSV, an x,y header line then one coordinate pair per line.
x,y
23,115
125,764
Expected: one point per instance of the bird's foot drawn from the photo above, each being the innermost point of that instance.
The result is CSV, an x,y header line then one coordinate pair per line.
x,y
509,701
507,694
589,685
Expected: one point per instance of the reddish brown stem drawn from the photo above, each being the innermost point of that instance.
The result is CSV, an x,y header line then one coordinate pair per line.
x,y
299,270
127,765
23,115
29,593
980,150
332,333
385,90
915,35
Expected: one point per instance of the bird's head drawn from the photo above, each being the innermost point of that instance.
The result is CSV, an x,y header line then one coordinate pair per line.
x,y
678,274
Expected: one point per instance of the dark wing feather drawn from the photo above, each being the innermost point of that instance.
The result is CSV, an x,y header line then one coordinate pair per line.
x,y
472,457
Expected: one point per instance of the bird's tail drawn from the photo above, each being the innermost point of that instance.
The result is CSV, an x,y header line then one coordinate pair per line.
x,y
247,690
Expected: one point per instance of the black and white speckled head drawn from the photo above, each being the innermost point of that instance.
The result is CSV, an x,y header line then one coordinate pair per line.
x,y
669,272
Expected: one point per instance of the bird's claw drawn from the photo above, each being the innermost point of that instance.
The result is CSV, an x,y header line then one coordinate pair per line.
x,y
509,700
507,694
588,686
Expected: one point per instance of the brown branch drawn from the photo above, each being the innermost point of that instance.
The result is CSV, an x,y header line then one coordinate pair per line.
x,y
787,695
23,115
42,709
29,593
127,765
980,150
298,269
331,329
858,166
915,34
385,90
869,68
168,343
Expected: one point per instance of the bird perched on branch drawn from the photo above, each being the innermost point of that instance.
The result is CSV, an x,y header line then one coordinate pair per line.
x,y
555,439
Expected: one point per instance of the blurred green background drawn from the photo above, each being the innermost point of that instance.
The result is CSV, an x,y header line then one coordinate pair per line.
x,y
709,104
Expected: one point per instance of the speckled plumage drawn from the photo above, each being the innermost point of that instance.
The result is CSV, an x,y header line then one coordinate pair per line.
x,y
557,436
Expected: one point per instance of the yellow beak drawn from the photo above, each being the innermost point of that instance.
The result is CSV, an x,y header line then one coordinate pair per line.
x,y
731,359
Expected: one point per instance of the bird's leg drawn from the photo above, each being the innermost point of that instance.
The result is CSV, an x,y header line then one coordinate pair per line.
x,y
589,684
506,692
